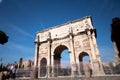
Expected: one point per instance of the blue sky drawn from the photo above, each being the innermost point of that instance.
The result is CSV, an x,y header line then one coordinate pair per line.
x,y
21,19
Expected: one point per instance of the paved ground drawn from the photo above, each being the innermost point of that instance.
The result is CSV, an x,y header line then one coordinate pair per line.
x,y
108,77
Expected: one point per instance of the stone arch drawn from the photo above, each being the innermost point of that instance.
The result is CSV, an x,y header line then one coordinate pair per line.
x,y
58,67
57,53
84,66
58,45
43,64
81,55
76,36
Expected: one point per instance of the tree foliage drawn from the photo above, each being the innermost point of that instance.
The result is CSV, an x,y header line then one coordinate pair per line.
x,y
115,32
3,37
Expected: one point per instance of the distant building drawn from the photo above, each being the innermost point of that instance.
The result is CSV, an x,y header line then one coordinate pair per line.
x,y
25,63
111,68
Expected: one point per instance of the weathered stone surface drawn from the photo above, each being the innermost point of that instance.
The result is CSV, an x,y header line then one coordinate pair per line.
x,y
112,77
77,36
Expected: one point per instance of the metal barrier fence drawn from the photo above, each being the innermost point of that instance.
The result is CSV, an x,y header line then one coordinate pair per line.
x,y
57,71
24,72
109,69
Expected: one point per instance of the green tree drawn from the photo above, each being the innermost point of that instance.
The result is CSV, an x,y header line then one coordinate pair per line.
x,y
3,37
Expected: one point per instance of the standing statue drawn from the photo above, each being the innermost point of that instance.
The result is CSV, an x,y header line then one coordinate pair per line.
x,y
115,35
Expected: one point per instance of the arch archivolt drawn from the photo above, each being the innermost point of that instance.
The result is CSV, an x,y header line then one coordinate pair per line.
x,y
42,57
88,52
57,44
81,52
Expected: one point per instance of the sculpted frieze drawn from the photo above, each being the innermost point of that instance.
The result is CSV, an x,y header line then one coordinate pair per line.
x,y
44,49
86,43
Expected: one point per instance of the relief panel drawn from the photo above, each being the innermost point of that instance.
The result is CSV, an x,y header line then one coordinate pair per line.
x,y
44,48
86,43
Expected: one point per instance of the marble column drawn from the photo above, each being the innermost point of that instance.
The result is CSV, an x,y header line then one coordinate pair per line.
x,y
35,70
49,56
91,44
97,68
73,57
52,64
100,71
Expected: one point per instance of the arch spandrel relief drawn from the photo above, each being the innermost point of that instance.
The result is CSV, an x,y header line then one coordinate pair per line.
x,y
86,43
44,49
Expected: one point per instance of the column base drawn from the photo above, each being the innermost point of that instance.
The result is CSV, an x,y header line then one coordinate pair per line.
x,y
97,69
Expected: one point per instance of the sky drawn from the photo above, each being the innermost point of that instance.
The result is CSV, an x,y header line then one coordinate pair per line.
x,y
21,19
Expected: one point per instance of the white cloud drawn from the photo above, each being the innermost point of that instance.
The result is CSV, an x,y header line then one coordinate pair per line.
x,y
27,52
1,1
22,31
17,29
13,51
21,47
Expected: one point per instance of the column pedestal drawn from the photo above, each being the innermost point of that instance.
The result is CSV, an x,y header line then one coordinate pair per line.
x,y
97,68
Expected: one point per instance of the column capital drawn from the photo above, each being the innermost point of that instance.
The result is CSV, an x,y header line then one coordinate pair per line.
x,y
37,43
49,40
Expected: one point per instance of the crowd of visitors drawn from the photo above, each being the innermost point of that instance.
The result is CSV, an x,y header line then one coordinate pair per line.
x,y
8,71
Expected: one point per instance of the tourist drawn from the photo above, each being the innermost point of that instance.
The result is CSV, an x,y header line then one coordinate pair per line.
x,y
12,71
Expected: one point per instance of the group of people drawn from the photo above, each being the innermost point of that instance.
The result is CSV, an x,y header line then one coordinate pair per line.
x,y
8,71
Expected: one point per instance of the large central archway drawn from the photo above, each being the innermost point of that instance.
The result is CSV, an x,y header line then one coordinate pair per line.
x,y
61,69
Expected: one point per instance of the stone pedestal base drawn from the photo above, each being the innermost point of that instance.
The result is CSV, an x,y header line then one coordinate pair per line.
x,y
97,69
34,74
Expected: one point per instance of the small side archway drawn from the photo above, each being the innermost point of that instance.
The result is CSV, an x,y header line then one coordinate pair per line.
x,y
82,55
43,64
84,63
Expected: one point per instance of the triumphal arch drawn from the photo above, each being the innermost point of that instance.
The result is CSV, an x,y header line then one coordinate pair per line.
x,y
78,36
